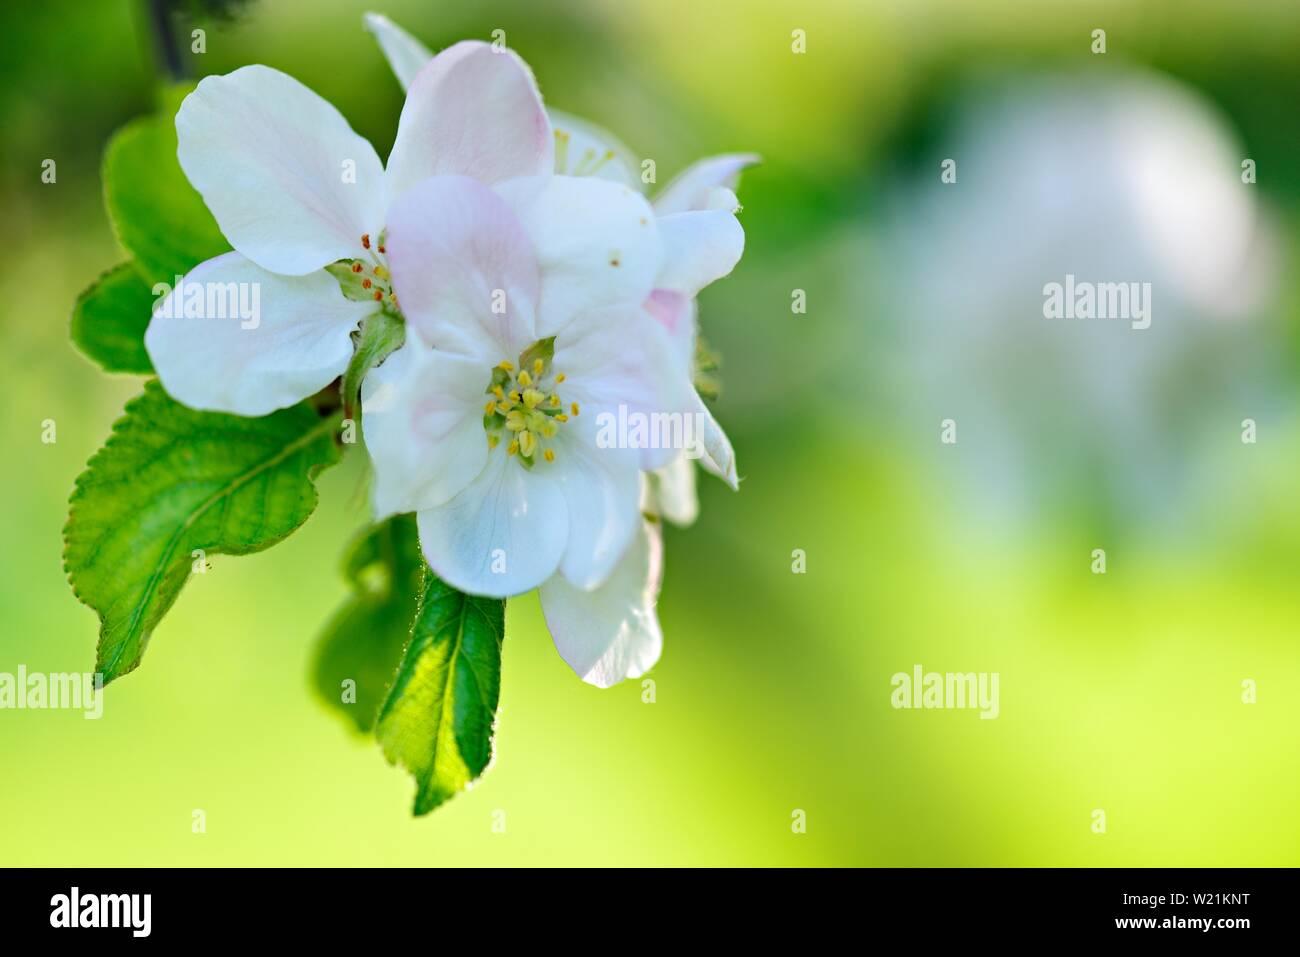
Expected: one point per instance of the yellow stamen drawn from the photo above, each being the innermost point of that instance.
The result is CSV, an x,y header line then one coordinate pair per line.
x,y
507,365
549,455
574,408
512,448
527,443
499,392
490,407
561,418
538,366
559,378
505,407
555,400
524,378
493,440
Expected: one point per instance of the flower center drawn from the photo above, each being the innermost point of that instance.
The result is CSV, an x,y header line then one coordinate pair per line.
x,y
525,409
362,279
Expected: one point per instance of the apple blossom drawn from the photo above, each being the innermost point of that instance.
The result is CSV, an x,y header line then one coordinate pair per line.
x,y
296,192
607,630
525,322
696,209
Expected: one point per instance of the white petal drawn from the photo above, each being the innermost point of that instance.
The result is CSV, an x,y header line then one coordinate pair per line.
x,y
501,536
718,457
290,184
602,488
471,111
612,632
463,269
232,337
584,149
670,492
620,357
691,189
405,54
699,247
423,427
596,243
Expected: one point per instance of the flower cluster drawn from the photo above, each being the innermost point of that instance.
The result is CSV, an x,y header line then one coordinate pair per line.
x,y
538,287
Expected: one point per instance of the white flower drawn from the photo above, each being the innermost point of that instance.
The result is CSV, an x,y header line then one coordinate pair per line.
x,y
607,630
295,190
525,323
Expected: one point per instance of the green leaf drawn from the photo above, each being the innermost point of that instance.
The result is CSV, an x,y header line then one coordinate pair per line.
x,y
109,320
438,719
158,216
381,335
169,481
364,640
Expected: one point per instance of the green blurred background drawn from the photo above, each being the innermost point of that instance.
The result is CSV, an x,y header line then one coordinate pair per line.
x,y
1120,692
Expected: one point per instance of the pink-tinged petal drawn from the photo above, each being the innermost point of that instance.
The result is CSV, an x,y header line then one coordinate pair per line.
x,y
619,357
290,184
676,314
611,632
232,337
471,111
501,536
602,488
463,269
423,427
690,190
405,54
596,241
699,247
